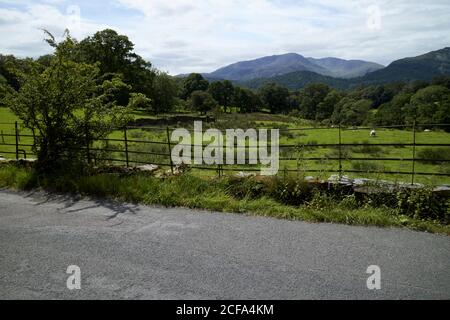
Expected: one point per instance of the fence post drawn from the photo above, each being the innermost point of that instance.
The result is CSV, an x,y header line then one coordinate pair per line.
x,y
414,154
340,153
34,138
126,146
17,140
88,151
170,149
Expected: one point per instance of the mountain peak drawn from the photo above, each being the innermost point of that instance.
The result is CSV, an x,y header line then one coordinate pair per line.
x,y
276,65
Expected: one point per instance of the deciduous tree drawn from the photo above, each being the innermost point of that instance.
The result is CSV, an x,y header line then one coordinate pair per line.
x,y
67,106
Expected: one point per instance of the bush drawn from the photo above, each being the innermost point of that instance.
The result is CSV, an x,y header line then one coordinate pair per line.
x,y
424,204
321,201
292,190
245,188
433,155
139,101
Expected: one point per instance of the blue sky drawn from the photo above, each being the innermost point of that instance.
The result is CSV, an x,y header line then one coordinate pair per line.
x,y
181,36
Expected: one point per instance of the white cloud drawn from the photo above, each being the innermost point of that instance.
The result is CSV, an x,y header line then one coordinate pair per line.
x,y
21,27
184,36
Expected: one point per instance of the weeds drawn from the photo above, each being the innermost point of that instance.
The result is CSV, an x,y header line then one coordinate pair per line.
x,y
278,197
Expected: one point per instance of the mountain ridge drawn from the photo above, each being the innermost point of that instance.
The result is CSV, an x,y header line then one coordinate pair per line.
x,y
423,67
277,65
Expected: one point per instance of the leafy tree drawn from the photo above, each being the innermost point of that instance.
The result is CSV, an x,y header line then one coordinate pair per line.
x,y
67,106
223,92
430,105
5,91
246,100
310,97
325,108
165,91
45,60
351,112
118,91
414,86
294,101
11,68
275,97
443,80
392,112
202,101
378,95
114,53
194,82
139,101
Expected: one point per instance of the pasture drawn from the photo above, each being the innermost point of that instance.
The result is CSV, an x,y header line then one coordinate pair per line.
x,y
149,145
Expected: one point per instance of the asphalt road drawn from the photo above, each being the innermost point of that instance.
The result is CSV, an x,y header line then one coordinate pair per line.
x,y
128,251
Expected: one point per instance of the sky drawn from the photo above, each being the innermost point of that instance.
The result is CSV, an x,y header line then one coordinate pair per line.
x,y
183,36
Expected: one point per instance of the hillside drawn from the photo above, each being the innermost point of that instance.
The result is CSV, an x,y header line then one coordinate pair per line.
x,y
340,68
424,67
277,65
297,80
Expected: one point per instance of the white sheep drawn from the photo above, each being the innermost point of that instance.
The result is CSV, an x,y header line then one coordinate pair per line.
x,y
373,133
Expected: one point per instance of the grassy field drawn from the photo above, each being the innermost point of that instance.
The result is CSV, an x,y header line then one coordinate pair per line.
x,y
304,139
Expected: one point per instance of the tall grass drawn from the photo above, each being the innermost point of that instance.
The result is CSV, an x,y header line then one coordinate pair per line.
x,y
273,197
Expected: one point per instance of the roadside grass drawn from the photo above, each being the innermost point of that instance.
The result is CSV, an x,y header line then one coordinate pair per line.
x,y
213,194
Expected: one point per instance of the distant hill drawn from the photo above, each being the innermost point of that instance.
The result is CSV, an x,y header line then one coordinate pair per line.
x,y
297,80
277,65
424,67
295,71
340,68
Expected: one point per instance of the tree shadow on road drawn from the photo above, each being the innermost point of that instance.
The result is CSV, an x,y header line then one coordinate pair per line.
x,y
70,202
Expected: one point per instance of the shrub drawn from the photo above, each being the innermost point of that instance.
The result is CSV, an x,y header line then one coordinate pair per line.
x,y
292,190
433,155
321,201
241,188
424,204
139,101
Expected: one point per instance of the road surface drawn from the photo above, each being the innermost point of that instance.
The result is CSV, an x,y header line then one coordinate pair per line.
x,y
127,251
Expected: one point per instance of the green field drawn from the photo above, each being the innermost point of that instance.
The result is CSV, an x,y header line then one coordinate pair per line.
x,y
303,139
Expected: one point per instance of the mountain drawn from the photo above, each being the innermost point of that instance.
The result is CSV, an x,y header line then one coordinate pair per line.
x,y
340,68
295,71
277,65
296,80
424,67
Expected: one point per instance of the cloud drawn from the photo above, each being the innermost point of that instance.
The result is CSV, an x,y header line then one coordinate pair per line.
x,y
222,32
182,36
21,26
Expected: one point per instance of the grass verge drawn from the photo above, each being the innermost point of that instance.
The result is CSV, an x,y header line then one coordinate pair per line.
x,y
214,194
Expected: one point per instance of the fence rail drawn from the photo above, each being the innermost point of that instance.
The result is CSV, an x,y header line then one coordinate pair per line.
x,y
108,152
